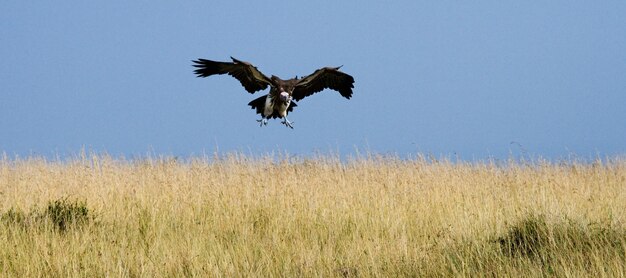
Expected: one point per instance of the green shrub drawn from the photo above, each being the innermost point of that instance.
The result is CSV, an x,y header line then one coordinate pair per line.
x,y
13,217
533,236
60,214
64,214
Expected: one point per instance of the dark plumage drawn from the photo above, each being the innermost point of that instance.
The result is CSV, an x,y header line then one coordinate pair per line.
x,y
280,99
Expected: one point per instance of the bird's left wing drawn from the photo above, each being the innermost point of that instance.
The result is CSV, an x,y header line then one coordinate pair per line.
x,y
249,76
324,78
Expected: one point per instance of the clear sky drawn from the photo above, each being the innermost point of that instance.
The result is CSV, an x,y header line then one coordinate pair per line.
x,y
451,78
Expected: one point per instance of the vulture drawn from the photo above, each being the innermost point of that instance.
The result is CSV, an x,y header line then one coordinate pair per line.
x,y
283,93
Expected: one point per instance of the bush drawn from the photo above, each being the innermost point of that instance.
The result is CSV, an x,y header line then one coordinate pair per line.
x,y
64,214
533,237
526,238
60,214
13,217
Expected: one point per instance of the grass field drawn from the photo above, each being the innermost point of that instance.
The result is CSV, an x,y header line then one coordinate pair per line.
x,y
236,215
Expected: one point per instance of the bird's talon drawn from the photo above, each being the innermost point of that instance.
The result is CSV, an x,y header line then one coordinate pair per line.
x,y
288,123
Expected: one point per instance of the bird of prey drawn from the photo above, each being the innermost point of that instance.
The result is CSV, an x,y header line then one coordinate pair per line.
x,y
283,93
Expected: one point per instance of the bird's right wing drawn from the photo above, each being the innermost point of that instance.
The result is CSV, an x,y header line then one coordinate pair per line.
x,y
249,76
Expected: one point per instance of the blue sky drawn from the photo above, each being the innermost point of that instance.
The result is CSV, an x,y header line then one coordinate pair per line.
x,y
459,78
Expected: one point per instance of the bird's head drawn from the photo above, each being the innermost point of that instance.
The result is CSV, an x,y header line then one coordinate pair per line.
x,y
284,96
285,87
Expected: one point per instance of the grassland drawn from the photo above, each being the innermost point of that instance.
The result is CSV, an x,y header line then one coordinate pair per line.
x,y
236,216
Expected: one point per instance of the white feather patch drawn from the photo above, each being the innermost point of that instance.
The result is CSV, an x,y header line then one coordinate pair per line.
x,y
269,106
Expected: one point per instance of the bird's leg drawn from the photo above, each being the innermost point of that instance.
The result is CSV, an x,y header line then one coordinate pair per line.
x,y
287,122
263,121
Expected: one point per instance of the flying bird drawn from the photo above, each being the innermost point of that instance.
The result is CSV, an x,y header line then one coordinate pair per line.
x,y
283,93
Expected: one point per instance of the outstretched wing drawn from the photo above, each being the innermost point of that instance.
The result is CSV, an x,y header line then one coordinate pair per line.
x,y
249,76
324,78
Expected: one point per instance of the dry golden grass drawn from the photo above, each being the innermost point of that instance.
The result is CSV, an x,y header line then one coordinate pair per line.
x,y
241,216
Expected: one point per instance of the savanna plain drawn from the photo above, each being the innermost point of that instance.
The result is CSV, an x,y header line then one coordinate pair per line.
x,y
235,215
